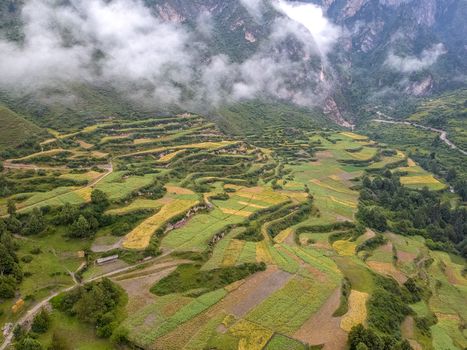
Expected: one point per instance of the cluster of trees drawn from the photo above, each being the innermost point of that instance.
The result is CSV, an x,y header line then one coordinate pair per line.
x,y
361,338
96,303
84,222
387,308
386,204
190,277
24,340
299,214
10,270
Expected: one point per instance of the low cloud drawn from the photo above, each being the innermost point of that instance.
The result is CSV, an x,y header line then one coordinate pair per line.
x,y
254,7
311,17
409,64
122,44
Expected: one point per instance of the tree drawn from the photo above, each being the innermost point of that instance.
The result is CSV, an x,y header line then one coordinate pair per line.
x,y
28,344
451,175
11,207
41,322
99,199
362,346
80,228
1,166
67,215
35,223
7,287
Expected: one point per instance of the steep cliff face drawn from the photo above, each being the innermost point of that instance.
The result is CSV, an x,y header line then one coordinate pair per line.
x,y
389,49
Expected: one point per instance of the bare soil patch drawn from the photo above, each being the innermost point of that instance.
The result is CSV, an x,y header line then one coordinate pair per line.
x,y
407,328
137,289
323,328
405,257
387,269
387,247
253,291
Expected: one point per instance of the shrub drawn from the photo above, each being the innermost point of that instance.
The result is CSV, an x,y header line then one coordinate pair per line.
x,y
41,322
26,259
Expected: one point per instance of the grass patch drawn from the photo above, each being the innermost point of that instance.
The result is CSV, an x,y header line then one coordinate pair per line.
x,y
189,277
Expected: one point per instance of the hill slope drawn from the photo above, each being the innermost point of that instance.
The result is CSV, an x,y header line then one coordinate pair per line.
x,y
15,129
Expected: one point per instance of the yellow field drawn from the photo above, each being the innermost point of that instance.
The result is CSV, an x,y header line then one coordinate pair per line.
x,y
85,193
252,336
357,310
232,252
98,154
332,188
262,252
344,248
178,190
283,235
263,194
41,154
343,202
419,179
140,236
85,145
252,205
242,213
354,136
169,156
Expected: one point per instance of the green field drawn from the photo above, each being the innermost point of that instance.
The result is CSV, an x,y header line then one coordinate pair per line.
x,y
229,242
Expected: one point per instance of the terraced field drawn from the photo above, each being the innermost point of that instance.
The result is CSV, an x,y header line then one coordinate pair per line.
x,y
254,242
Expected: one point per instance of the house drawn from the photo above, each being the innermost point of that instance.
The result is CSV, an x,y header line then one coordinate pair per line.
x,y
107,259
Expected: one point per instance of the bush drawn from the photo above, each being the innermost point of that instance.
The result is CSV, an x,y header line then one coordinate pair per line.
x,y
26,259
7,287
371,243
28,344
41,322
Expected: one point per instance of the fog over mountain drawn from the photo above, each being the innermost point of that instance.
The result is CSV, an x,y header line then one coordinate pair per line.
x,y
125,44
212,53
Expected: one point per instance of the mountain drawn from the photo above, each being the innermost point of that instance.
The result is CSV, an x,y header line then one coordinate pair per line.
x,y
345,58
388,49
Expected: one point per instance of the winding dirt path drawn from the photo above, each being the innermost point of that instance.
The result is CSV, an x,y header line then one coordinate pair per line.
x,y
443,134
29,315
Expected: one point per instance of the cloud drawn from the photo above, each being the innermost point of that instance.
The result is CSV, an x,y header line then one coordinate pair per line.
x,y
310,16
122,44
254,7
409,64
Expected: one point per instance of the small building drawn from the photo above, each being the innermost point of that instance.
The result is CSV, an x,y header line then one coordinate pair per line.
x,y
107,259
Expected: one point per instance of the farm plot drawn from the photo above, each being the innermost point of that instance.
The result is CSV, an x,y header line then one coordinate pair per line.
x,y
357,310
197,232
144,330
417,177
328,183
323,328
286,310
56,197
140,236
259,196
201,145
388,161
137,204
119,185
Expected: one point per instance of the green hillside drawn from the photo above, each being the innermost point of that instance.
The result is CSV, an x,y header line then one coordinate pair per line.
x,y
253,117
15,129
